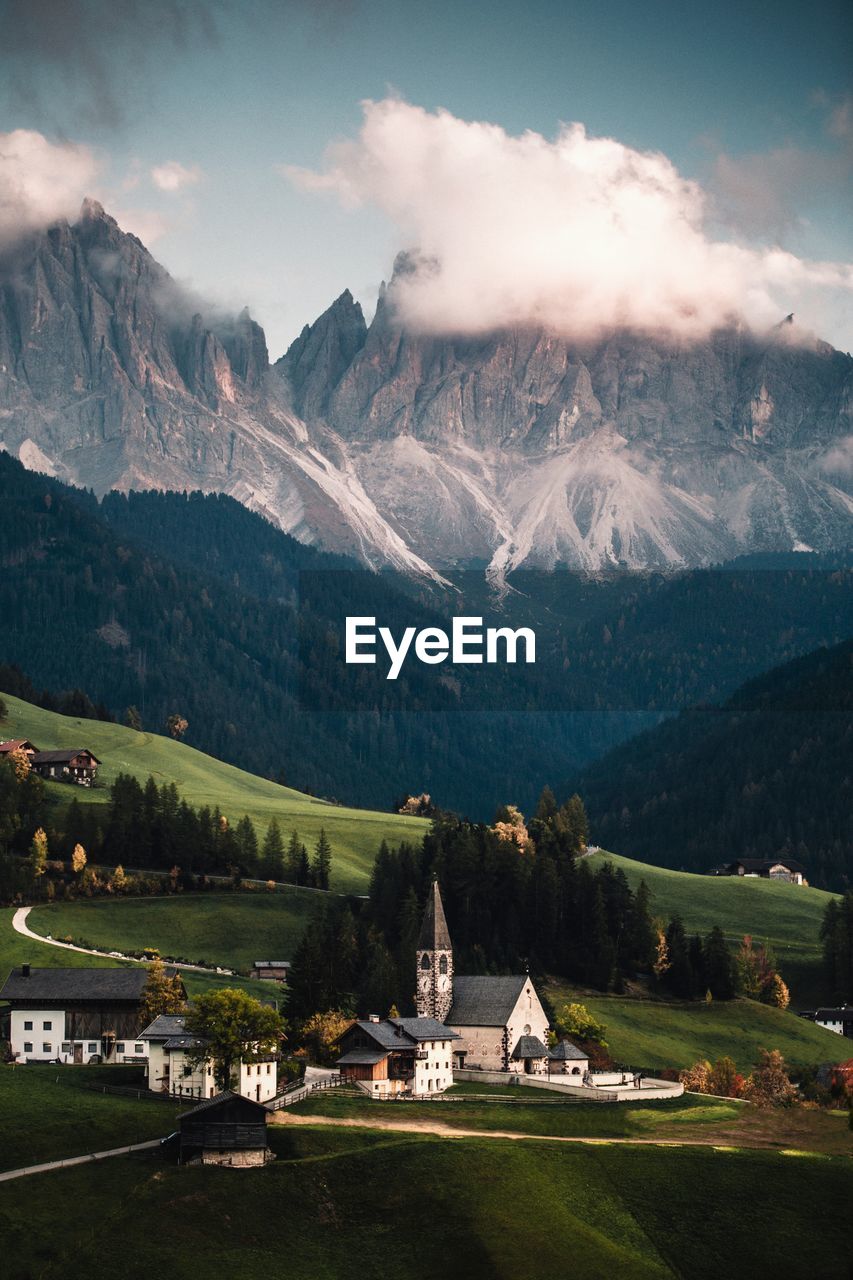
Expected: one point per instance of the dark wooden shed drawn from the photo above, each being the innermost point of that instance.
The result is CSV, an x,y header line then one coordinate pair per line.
x,y
227,1130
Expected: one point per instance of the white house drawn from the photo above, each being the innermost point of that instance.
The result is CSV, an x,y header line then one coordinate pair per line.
x,y
74,1015
498,1022
838,1020
170,1069
390,1056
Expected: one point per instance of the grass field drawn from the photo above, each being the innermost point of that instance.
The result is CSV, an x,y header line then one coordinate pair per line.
x,y
785,915
16,950
658,1033
230,929
355,834
48,1114
334,1204
717,1121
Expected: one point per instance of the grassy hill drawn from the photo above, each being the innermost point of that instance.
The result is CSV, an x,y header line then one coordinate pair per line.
x,y
16,949
663,1033
786,916
218,928
355,834
497,1209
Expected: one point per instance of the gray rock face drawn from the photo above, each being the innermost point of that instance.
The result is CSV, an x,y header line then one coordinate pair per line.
x,y
422,452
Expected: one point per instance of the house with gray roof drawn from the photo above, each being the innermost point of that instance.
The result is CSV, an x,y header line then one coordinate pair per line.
x,y
176,1066
568,1060
498,1021
74,1015
391,1056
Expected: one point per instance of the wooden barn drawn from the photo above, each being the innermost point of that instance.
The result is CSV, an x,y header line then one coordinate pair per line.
x,y
80,766
227,1130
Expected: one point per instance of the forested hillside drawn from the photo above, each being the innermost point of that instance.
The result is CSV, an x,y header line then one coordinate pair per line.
x,y
769,772
161,605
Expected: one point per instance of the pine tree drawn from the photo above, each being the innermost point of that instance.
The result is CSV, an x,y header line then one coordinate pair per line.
x,y
293,858
679,976
321,870
272,853
719,966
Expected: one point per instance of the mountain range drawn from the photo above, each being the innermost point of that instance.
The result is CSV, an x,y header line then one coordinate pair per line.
x,y
422,453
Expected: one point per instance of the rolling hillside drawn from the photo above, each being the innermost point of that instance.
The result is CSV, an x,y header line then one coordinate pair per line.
x,y
786,916
355,834
767,773
229,929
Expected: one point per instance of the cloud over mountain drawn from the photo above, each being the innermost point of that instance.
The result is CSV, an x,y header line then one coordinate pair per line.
x,y
578,234
40,181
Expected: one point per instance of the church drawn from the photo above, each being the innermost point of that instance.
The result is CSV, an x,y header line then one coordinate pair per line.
x,y
499,1022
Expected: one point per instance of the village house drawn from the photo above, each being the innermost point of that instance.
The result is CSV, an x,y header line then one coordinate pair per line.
x,y
80,766
391,1056
785,869
227,1130
270,970
172,1067
498,1022
839,1020
74,1015
18,744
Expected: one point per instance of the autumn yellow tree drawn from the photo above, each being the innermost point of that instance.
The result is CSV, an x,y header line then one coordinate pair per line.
x,y
78,859
322,1031
38,853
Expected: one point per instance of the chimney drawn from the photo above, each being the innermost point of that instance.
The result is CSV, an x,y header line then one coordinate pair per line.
x,y
25,970
373,1017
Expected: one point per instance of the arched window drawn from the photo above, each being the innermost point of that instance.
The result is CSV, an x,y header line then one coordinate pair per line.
x,y
425,964
442,965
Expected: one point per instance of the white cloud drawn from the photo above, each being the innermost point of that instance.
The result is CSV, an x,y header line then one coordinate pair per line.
x,y
173,176
40,181
578,234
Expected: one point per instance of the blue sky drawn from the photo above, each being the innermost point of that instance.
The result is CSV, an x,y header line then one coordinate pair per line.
x,y
747,98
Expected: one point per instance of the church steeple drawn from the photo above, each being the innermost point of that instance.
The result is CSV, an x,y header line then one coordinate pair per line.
x,y
434,989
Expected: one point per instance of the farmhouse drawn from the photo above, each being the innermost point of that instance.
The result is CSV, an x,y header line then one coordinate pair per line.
x,y
80,766
499,1022
393,1056
839,1020
766,869
227,1129
270,970
74,1015
172,1067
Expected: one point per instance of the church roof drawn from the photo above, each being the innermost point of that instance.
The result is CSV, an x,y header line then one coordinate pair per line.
x,y
425,1028
483,1000
565,1051
435,935
529,1047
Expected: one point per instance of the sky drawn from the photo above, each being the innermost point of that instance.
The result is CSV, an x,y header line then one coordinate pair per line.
x,y
569,163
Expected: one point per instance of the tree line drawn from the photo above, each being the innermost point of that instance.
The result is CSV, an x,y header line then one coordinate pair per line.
x,y
146,827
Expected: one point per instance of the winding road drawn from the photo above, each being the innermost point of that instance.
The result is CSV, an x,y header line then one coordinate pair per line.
x,y
19,924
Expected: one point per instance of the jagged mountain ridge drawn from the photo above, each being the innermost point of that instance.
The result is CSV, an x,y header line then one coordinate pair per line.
x,y
506,449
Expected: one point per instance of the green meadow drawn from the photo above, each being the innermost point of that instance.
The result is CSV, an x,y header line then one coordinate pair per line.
x,y
337,1204
229,929
355,834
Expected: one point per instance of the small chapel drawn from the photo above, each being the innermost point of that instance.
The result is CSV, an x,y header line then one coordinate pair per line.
x,y
499,1022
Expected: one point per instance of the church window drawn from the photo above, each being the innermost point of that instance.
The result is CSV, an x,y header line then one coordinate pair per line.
x,y
527,1028
442,965
425,961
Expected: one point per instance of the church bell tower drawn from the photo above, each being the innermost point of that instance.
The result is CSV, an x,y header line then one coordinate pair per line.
x,y
434,991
